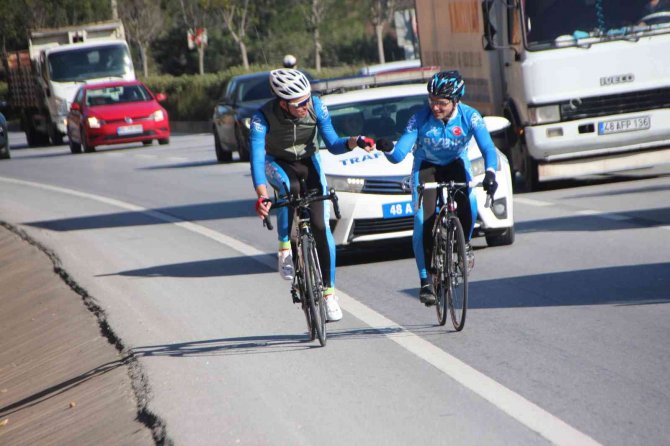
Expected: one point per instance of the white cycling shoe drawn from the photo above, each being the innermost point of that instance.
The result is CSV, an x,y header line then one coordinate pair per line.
x,y
285,264
333,310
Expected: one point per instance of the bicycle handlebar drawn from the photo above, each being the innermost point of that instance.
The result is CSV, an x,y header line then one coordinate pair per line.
x,y
450,185
303,201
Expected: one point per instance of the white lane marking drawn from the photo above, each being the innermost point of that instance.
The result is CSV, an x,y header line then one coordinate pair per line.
x,y
524,411
532,202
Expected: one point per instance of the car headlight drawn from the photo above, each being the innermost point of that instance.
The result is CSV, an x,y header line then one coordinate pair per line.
x,y
345,184
478,167
94,122
158,115
545,114
61,106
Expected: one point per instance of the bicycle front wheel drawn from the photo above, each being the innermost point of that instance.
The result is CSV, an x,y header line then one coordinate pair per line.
x,y
457,272
314,288
439,262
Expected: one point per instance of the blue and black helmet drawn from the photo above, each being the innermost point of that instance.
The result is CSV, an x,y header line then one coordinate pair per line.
x,y
447,84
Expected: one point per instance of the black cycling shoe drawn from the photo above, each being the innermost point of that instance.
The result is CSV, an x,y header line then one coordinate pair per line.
x,y
427,294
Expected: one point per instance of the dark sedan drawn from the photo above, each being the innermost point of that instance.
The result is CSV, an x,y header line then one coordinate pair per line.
x,y
244,95
4,138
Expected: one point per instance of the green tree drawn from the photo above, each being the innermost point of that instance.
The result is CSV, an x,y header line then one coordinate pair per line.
x,y
143,20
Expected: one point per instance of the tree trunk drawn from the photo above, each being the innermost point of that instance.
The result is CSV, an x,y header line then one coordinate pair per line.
x,y
201,59
145,64
317,50
245,57
379,31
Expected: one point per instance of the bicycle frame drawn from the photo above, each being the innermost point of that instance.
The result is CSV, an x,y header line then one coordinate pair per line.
x,y
307,287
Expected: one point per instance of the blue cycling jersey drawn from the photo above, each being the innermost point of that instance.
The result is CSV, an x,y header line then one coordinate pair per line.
x,y
260,128
441,143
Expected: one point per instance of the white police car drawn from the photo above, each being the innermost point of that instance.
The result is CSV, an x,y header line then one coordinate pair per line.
x,y
374,197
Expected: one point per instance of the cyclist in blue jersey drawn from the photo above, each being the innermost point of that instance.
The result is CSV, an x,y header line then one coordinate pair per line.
x,y
284,149
440,133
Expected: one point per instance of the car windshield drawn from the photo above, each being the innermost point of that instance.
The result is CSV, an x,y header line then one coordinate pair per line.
x,y
117,95
379,118
550,23
254,89
88,63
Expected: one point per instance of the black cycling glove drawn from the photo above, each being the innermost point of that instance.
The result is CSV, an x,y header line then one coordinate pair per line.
x,y
489,183
384,145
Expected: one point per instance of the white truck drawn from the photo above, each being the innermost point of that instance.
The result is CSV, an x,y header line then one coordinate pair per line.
x,y
43,79
585,83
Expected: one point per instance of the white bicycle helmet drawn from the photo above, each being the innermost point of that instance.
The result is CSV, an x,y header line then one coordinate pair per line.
x,y
289,84
290,61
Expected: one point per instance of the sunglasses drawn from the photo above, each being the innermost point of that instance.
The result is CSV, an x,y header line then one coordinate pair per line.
x,y
439,103
302,103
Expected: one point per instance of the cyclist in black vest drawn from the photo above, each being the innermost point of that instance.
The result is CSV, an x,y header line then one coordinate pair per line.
x,y
284,149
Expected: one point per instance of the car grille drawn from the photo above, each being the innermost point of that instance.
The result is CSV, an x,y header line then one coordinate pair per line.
x,y
387,185
371,226
615,103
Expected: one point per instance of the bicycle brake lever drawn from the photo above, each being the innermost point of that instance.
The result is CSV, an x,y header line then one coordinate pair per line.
x,y
267,223
336,206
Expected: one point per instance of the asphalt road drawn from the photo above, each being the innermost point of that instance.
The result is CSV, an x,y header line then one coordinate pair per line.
x,y
565,343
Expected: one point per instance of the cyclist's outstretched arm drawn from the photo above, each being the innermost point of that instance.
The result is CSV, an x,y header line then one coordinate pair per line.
x,y
335,144
484,141
258,130
405,143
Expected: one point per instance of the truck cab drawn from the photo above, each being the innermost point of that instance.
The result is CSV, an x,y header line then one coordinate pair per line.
x,y
64,68
586,84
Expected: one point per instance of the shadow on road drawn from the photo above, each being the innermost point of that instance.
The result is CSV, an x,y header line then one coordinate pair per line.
x,y
623,285
647,218
232,266
192,212
59,388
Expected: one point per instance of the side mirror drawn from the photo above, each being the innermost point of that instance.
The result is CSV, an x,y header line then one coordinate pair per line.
x,y
496,124
75,106
489,29
160,97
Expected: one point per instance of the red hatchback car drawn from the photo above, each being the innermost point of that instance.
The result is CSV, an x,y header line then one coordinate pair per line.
x,y
116,113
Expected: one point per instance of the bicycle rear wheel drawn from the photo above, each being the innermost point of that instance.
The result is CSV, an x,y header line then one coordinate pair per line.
x,y
314,288
439,262
457,272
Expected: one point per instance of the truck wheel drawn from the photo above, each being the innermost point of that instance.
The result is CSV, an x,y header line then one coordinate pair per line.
x,y
74,146
54,135
524,167
35,138
222,156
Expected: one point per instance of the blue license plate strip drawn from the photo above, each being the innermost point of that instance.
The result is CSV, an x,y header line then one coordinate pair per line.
x,y
397,210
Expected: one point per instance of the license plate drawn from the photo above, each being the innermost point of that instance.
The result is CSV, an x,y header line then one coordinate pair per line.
x,y
130,129
624,125
397,210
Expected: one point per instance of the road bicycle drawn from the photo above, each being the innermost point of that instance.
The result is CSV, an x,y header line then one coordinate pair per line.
x,y
307,286
449,261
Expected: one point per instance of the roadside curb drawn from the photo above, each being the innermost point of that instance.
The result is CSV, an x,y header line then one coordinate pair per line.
x,y
30,394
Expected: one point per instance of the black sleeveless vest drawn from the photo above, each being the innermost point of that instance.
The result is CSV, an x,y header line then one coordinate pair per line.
x,y
289,138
